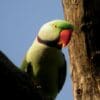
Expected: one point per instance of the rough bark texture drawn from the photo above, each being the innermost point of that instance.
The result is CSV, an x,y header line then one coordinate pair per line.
x,y
84,48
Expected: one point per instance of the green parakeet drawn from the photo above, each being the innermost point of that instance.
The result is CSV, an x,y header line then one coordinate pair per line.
x,y
44,61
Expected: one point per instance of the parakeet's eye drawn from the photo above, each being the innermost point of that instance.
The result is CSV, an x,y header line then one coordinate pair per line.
x,y
55,26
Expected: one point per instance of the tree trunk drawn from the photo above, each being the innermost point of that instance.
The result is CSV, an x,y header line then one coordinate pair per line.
x,y
84,47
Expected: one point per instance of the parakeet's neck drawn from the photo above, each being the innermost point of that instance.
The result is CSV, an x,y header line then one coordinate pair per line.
x,y
49,43
41,46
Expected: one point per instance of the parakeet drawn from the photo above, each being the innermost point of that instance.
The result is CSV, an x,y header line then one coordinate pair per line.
x,y
44,61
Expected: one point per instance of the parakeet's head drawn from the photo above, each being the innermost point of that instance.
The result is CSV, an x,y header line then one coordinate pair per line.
x,y
55,33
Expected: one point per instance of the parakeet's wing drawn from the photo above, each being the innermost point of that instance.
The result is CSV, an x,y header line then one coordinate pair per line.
x,y
27,67
62,75
14,82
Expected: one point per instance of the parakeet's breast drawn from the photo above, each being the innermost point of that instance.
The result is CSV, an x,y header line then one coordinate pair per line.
x,y
46,62
43,57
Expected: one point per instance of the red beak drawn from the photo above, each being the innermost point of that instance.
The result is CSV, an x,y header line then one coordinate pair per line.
x,y
65,37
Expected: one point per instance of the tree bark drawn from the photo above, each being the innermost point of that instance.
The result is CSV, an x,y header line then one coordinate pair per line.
x,y
84,47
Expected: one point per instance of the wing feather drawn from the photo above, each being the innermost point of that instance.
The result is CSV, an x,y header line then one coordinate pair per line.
x,y
62,75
